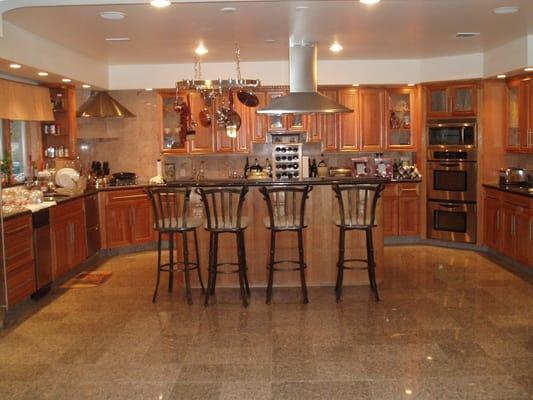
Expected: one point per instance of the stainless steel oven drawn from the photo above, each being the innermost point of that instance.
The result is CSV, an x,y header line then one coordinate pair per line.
x,y
450,221
452,174
452,133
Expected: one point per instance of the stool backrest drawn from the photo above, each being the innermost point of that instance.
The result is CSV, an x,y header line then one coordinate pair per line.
x,y
286,205
357,203
223,206
170,207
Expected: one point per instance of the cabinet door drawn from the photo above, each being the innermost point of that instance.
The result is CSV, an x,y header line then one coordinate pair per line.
x,y
260,127
523,234
223,143
408,210
508,247
349,128
438,102
515,98
390,213
79,239
463,100
61,238
242,143
170,124
203,141
399,127
276,122
326,126
118,225
493,223
142,225
526,138
371,106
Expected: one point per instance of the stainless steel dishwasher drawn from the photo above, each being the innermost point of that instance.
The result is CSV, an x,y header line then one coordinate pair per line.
x,y
42,248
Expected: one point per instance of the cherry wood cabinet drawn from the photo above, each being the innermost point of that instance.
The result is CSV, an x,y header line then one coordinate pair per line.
x,y
127,217
401,205
371,120
508,225
451,100
240,144
348,125
519,110
19,258
324,127
68,236
400,128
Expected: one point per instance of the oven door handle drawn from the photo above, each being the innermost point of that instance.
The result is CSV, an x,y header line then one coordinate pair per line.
x,y
447,205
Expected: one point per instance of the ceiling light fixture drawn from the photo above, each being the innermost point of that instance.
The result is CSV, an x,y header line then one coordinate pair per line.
x,y
228,9
85,86
15,66
201,50
467,34
42,73
411,84
506,10
335,47
528,69
501,76
160,3
117,39
113,15
369,2
66,80
355,84
148,89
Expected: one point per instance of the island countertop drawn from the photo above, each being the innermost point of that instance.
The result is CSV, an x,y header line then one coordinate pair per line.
x,y
276,182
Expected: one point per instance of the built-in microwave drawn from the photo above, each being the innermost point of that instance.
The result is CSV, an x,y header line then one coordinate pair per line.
x,y
452,133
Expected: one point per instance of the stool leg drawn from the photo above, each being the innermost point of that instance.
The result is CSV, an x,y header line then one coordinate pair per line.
x,y
170,261
271,265
198,261
371,263
340,264
215,264
302,265
247,285
242,266
186,267
210,268
158,266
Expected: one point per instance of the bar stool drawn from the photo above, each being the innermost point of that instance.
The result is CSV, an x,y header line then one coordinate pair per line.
x,y
223,211
171,216
286,213
357,211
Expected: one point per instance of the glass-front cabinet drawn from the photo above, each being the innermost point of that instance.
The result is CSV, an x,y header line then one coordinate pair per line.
x,y
513,118
463,100
438,101
172,139
400,119
451,101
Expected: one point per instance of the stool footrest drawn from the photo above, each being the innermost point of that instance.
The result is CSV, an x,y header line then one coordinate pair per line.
x,y
234,271
286,262
166,267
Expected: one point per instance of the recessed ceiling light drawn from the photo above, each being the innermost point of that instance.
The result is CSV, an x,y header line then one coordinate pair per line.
x,y
528,69
301,8
15,66
410,84
117,39
66,80
501,76
369,1
269,40
113,15
42,73
335,47
506,10
201,50
466,34
160,3
85,86
355,84
148,89
408,391
228,9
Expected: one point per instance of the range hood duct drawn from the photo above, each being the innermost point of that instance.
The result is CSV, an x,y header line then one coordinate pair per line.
x,y
102,105
303,97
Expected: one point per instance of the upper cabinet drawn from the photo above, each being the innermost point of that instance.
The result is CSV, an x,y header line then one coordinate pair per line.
x,y
519,116
451,101
59,136
349,125
400,126
371,120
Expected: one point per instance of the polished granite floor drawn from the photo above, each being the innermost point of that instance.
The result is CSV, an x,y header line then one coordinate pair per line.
x,y
452,325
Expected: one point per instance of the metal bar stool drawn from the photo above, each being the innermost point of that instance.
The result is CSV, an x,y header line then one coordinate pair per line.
x,y
286,213
223,211
171,216
357,211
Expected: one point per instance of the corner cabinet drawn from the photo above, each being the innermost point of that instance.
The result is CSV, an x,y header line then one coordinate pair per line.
x,y
451,101
519,110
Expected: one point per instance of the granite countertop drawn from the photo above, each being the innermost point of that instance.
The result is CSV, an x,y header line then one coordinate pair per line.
x,y
272,182
511,189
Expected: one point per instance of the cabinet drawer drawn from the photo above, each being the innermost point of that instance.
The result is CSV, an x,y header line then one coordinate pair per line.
x,y
21,282
493,194
66,210
521,202
408,189
126,195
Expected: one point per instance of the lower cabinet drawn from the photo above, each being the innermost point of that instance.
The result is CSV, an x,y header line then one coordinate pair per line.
x,y
128,218
68,236
401,209
508,225
19,258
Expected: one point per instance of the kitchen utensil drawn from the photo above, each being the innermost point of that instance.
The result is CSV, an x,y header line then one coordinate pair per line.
x,y
248,98
67,178
205,117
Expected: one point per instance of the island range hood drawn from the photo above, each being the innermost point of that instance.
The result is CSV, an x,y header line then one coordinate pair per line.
x,y
102,105
303,97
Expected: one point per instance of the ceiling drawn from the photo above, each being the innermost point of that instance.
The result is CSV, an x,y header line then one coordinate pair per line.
x,y
392,29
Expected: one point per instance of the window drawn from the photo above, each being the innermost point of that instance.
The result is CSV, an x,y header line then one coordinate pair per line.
x,y
14,145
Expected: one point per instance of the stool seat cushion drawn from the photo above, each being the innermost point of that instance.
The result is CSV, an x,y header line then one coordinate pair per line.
x,y
180,223
227,223
282,222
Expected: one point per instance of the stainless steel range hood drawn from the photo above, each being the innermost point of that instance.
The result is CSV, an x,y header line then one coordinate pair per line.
x,y
303,97
102,105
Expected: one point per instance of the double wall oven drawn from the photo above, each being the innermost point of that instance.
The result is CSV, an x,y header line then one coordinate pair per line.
x,y
452,171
